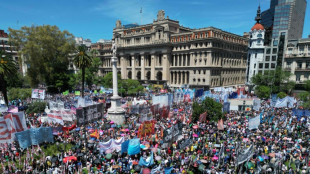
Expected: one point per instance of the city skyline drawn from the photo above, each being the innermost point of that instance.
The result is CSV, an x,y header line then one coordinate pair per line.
x,y
95,20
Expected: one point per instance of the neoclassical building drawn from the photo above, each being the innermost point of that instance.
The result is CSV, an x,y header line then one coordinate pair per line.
x,y
166,52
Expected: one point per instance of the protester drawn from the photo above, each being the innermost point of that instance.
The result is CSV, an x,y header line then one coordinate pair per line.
x,y
158,139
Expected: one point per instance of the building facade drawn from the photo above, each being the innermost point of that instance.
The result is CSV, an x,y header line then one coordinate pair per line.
x,y
297,59
12,51
256,48
168,53
283,22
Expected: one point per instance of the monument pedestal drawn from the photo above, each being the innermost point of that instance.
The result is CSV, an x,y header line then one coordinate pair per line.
x,y
116,113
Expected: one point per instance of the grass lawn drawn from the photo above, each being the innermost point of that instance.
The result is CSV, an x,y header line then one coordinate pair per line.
x,y
50,150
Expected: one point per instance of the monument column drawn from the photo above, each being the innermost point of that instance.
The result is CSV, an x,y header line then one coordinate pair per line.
x,y
153,67
133,65
115,113
142,67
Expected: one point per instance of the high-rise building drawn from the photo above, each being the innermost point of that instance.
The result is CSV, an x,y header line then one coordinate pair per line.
x,y
285,15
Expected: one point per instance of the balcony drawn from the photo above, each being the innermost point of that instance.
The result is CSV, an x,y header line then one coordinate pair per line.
x,y
302,69
287,69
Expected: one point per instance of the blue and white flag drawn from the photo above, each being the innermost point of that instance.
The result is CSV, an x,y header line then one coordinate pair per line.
x,y
254,122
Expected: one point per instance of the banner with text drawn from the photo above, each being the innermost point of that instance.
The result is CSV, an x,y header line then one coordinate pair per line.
x,y
10,124
89,114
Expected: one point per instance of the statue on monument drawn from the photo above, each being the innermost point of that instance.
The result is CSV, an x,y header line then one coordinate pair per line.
x,y
114,48
161,15
118,24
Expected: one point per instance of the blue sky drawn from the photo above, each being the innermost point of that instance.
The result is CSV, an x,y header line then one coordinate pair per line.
x,y
95,19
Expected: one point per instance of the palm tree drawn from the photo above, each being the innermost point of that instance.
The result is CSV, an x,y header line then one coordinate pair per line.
x,y
82,60
8,68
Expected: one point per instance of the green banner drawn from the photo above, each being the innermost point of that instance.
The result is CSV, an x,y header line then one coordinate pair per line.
x,y
66,92
77,93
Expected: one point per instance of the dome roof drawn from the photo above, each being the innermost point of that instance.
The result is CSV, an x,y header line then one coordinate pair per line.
x,y
258,26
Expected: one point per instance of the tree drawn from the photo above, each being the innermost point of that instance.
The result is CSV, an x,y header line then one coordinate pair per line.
x,y
278,81
131,87
46,50
82,60
213,109
108,80
8,68
36,107
262,91
19,93
281,95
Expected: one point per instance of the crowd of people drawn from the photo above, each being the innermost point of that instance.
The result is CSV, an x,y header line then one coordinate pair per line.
x,y
279,145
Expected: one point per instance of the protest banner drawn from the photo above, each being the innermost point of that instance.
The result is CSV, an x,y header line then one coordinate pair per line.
x,y
173,132
34,136
89,114
256,104
185,143
146,128
226,107
245,155
254,122
10,124
38,94
55,118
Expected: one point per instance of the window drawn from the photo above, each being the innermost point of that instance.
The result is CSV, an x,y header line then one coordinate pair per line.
x,y
273,65
266,65
194,80
267,58
288,64
268,51
259,35
274,58
274,51
299,64
275,43
261,65
203,80
254,65
258,41
301,49
255,55
308,64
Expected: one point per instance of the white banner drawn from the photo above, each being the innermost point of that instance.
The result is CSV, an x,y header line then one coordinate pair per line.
x,y
55,118
254,122
10,124
38,93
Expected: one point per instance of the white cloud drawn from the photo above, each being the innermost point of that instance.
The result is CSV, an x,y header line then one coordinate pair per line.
x,y
128,11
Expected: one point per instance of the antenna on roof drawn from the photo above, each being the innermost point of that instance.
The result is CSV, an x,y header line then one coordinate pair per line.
x,y
141,15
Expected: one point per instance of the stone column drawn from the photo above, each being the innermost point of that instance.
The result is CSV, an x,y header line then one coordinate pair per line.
x,y
142,67
153,57
123,67
133,67
165,65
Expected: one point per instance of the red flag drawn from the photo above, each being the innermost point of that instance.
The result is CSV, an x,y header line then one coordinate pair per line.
x,y
203,117
220,125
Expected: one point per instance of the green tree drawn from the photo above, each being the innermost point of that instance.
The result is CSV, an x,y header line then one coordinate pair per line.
x,y
213,109
82,60
46,50
278,81
131,87
307,85
262,91
19,93
8,68
281,95
108,80
36,107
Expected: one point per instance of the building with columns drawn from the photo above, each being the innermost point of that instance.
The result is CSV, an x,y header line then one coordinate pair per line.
x,y
165,52
297,60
